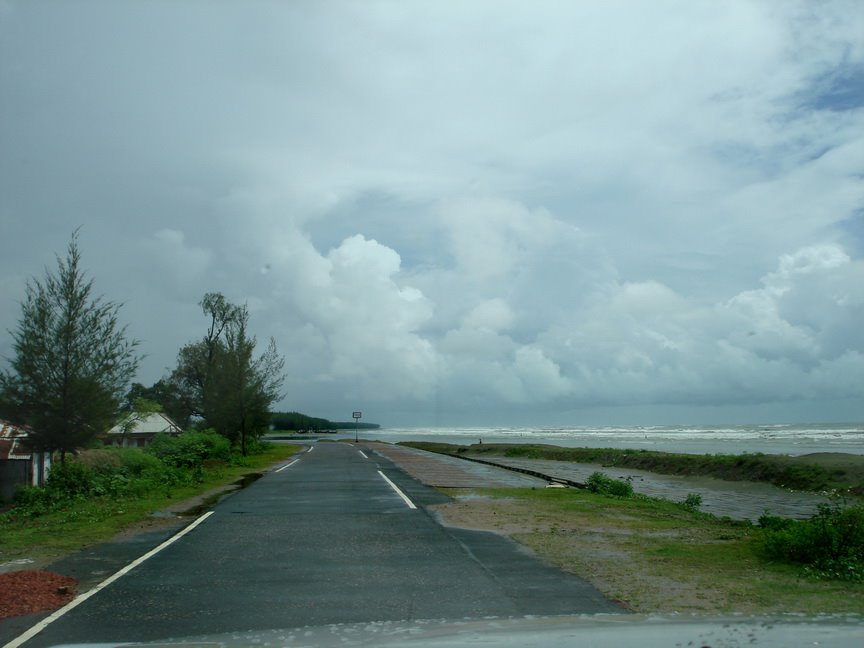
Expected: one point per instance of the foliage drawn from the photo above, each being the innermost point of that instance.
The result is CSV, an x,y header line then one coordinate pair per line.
x,y
693,502
296,421
220,380
92,519
168,463
167,395
72,360
140,409
830,543
257,446
68,482
190,449
605,485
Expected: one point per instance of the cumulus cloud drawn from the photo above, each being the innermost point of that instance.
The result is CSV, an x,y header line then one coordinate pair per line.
x,y
461,206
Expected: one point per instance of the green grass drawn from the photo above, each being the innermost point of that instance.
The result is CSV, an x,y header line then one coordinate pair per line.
x,y
91,521
656,556
817,472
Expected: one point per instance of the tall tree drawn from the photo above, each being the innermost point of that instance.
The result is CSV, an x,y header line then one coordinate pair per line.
x,y
73,361
244,386
220,378
190,381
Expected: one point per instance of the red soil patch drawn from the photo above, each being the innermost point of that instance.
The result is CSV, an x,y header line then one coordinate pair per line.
x,y
28,591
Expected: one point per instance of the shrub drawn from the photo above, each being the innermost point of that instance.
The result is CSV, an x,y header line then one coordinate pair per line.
x,y
257,446
190,449
693,502
831,543
72,478
768,521
32,500
66,483
124,472
101,460
605,485
137,462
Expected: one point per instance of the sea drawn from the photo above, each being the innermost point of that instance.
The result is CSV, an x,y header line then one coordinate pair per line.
x,y
785,439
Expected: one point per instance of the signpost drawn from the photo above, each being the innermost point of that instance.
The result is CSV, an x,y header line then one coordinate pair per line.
x,y
356,416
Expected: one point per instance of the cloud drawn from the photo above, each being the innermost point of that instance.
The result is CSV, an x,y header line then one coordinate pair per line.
x,y
361,321
179,268
460,206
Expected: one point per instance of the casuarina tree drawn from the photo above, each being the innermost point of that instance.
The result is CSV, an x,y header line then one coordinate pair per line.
x,y
72,359
221,380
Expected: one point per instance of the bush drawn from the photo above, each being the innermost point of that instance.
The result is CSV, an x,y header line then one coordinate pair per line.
x,y
831,543
72,478
190,449
605,485
66,483
693,502
137,463
125,472
101,460
32,500
257,446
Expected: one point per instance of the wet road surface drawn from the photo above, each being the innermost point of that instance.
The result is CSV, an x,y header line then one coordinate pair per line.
x,y
324,540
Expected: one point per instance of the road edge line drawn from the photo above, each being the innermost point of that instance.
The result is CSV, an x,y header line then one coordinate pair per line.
x,y
398,492
286,466
78,600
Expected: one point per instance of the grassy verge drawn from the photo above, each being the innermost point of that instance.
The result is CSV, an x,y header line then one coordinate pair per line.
x,y
816,472
653,556
95,520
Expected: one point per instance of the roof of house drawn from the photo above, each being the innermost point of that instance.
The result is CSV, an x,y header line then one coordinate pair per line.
x,y
12,441
154,423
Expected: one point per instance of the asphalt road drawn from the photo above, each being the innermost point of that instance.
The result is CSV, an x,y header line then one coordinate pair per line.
x,y
325,540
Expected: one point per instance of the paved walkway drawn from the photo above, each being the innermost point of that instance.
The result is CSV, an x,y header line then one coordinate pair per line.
x,y
736,500
442,471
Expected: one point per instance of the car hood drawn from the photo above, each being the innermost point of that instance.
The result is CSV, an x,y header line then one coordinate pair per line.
x,y
584,631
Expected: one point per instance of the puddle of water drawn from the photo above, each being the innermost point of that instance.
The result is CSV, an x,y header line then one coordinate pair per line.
x,y
214,499
15,565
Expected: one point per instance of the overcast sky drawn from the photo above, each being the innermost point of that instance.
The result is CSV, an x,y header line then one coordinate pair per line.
x,y
460,212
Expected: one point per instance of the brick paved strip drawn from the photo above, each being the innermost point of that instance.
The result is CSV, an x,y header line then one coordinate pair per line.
x,y
441,471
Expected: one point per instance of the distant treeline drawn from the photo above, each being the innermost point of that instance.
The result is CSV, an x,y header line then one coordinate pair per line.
x,y
297,422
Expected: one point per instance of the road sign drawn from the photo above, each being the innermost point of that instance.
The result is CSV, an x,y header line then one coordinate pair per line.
x,y
357,416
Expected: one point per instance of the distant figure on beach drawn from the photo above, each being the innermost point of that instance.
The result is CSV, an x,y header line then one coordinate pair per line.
x,y
480,441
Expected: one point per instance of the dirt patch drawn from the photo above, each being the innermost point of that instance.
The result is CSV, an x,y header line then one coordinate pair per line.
x,y
29,591
652,564
616,567
606,556
501,515
152,523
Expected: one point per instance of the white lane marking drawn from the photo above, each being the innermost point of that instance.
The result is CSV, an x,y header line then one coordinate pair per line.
x,y
362,455
311,448
398,492
286,466
39,627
